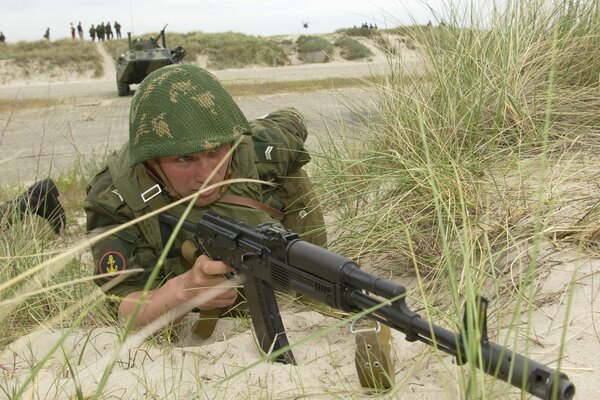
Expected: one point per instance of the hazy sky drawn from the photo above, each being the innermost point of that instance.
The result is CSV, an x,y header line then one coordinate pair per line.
x,y
28,19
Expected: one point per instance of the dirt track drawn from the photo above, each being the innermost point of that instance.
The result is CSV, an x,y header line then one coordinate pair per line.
x,y
88,118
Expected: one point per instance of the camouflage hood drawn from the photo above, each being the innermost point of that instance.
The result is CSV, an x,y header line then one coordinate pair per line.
x,y
181,109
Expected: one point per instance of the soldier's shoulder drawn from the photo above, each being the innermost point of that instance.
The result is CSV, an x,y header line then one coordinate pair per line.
x,y
285,120
102,193
282,114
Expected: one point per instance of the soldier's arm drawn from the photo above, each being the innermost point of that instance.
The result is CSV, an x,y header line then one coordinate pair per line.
x,y
129,249
123,251
204,276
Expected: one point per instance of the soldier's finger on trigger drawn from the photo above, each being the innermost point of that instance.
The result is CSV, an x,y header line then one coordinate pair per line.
x,y
211,268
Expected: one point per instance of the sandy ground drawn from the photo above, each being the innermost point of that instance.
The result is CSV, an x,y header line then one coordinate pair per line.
x,y
91,118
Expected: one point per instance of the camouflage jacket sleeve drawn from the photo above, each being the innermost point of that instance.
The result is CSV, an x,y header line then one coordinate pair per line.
x,y
124,250
279,142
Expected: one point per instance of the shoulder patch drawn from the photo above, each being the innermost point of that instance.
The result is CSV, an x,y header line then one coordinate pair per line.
x,y
267,152
111,262
116,192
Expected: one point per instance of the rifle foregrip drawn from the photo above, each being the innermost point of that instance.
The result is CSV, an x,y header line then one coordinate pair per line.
x,y
525,373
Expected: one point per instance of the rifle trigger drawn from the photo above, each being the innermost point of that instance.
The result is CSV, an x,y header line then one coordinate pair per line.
x,y
249,257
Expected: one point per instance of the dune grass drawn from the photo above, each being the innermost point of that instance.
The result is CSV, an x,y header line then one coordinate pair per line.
x,y
55,57
454,181
28,241
441,179
351,49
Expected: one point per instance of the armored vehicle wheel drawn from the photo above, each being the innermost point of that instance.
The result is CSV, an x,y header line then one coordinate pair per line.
x,y
123,88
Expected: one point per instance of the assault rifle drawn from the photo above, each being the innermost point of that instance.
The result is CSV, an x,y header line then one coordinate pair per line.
x,y
272,258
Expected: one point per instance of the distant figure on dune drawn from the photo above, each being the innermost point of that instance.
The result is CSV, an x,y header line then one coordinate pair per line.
x,y
108,31
93,33
80,30
118,29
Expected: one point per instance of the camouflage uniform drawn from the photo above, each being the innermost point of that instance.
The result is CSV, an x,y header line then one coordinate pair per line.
x,y
125,188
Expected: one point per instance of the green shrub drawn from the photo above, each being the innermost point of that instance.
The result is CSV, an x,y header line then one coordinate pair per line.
x,y
301,40
62,55
230,49
352,49
307,44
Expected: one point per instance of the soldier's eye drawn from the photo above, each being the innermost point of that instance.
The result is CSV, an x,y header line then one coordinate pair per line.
x,y
184,159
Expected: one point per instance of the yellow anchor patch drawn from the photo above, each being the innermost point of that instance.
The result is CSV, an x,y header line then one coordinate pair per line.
x,y
112,262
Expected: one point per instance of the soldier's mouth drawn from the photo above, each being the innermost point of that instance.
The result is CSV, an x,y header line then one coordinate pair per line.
x,y
205,193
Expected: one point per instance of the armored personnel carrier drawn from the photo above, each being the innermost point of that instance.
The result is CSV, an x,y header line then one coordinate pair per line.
x,y
143,57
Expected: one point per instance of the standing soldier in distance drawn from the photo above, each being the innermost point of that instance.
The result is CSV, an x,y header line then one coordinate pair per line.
x,y
47,34
118,29
108,30
100,31
80,30
93,33
72,31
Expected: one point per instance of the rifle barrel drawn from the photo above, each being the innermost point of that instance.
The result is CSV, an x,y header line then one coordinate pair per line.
x,y
497,361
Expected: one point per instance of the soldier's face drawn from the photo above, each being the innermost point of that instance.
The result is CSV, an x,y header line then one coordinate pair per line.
x,y
190,172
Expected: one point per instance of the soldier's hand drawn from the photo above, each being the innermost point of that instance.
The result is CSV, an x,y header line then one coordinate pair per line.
x,y
206,274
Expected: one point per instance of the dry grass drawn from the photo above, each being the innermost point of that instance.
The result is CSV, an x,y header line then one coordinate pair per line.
x,y
73,56
268,88
7,105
